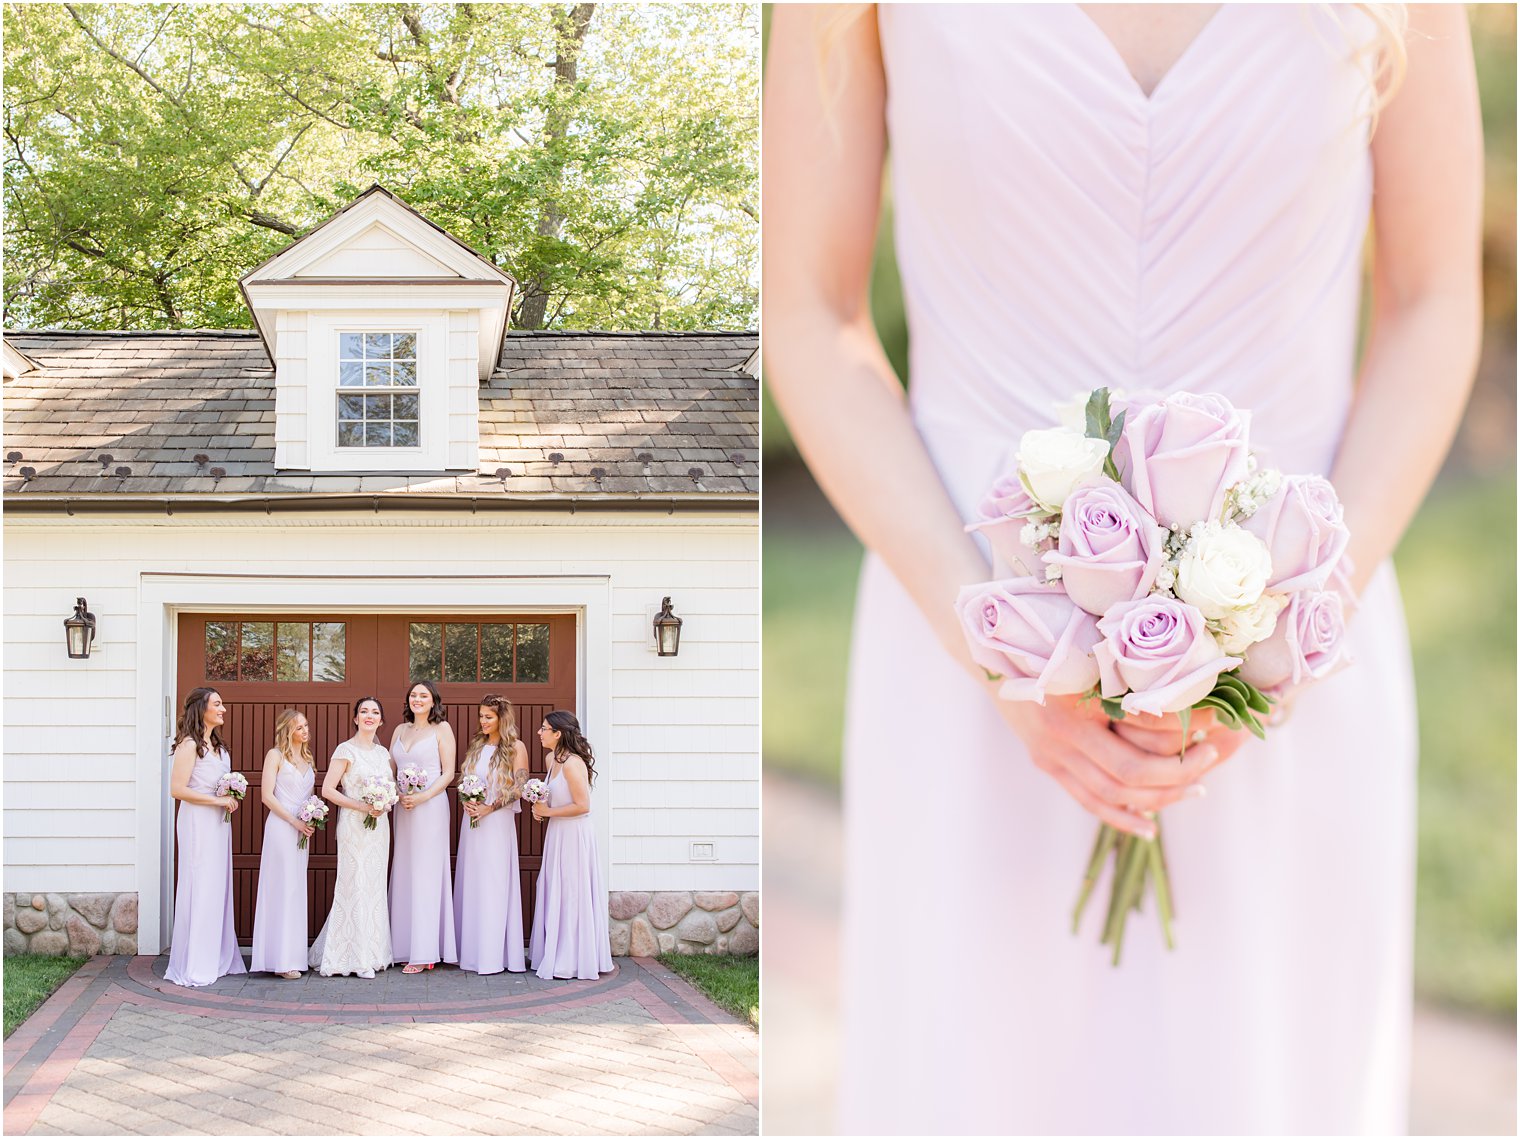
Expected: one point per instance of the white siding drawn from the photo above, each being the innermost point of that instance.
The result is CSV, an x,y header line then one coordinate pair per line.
x,y
680,756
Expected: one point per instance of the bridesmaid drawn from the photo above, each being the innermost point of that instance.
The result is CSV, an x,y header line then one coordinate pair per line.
x,y
422,910
279,916
570,918
487,892
204,945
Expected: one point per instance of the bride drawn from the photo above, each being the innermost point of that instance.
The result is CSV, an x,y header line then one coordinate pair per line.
x,y
1169,197
356,938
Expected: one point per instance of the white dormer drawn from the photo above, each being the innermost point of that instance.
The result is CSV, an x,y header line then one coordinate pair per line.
x,y
381,327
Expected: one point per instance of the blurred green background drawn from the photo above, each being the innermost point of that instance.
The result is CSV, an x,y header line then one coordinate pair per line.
x,y
1456,567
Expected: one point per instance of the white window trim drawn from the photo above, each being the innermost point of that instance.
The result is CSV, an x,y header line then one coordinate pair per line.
x,y
323,332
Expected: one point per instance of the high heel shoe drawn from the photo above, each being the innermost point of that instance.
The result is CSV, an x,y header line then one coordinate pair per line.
x,y
411,970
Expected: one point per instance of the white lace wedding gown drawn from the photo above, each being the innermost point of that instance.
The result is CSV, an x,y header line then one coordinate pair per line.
x,y
356,938
1057,229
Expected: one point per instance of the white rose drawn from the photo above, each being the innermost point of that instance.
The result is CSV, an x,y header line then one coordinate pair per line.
x,y
1239,631
1053,461
1223,570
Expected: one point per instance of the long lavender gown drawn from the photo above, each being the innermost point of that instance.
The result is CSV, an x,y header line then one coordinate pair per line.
x,y
422,907
204,946
487,893
570,916
1057,230
279,916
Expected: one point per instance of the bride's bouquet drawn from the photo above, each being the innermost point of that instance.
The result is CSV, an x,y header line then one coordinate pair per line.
x,y
377,791
1164,572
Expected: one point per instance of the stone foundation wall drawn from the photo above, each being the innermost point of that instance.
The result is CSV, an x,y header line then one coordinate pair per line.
x,y
77,925
644,924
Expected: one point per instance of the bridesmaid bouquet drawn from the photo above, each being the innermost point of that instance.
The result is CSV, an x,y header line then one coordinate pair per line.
x,y
1163,572
234,783
411,780
535,791
377,791
472,789
313,813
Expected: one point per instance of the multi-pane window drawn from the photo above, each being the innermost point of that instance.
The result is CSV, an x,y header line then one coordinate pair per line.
x,y
377,389
276,650
480,653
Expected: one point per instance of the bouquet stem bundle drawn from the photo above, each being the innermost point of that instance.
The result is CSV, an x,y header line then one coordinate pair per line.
x,y
1137,862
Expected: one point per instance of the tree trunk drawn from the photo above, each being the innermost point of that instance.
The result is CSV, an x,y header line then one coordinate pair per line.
x,y
572,34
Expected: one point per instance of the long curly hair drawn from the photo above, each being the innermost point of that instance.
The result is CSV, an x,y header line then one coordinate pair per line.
x,y
435,713
192,722
284,731
499,775
571,742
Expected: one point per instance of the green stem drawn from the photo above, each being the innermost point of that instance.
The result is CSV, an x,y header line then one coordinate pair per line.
x,y
1162,886
1134,882
1101,851
1126,849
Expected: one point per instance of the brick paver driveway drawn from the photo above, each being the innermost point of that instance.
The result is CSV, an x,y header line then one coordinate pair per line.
x,y
120,1050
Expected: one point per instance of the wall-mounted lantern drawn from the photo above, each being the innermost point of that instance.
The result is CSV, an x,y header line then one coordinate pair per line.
x,y
79,630
667,631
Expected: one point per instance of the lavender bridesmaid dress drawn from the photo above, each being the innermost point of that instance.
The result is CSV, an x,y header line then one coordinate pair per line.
x,y
422,910
1059,229
279,916
204,946
487,892
570,917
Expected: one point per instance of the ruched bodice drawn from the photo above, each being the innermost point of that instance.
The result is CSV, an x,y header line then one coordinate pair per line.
x,y
1058,230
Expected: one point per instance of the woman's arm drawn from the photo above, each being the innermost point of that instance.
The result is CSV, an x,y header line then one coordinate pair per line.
x,y
179,779
446,750
580,793
519,773
1422,350
825,139
336,769
271,770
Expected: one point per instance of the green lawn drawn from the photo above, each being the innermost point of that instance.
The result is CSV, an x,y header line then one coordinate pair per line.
x,y
29,980
731,983
1457,571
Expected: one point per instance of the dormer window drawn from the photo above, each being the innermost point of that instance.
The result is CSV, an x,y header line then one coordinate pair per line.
x,y
377,390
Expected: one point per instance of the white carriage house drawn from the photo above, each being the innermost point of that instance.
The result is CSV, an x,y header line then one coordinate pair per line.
x,y
381,482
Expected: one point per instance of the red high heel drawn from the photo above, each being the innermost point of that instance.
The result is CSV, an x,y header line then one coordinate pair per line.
x,y
412,970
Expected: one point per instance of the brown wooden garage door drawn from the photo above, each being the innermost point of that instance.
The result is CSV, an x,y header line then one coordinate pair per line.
x,y
321,664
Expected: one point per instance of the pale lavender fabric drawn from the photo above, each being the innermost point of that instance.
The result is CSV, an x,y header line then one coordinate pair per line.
x,y
487,886
1057,230
422,900
203,946
570,914
279,916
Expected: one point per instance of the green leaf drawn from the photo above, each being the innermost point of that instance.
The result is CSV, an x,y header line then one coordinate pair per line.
x,y
992,675
1097,414
1113,709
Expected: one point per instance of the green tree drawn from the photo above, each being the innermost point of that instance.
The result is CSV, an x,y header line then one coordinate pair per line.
x,y
605,155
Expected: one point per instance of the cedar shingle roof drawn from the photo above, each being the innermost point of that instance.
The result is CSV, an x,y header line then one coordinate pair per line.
x,y
642,409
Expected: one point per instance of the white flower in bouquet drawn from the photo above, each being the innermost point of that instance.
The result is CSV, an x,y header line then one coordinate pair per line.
x,y
1223,570
1054,461
1238,631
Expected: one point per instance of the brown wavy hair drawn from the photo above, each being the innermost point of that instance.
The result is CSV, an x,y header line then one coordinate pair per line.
x,y
284,728
500,774
571,742
192,722
435,713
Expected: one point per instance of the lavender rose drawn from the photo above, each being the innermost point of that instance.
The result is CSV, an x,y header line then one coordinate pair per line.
x,y
1309,643
1160,652
1002,516
1110,550
1303,527
1031,634
1179,456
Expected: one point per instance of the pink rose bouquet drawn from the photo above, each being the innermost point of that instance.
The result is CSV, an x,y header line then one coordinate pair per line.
x,y
313,813
472,789
234,783
535,791
377,791
1173,575
410,780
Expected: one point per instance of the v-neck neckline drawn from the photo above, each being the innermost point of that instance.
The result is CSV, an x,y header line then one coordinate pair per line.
x,y
1133,87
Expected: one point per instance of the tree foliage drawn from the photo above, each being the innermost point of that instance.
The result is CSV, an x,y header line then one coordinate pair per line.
x,y
604,154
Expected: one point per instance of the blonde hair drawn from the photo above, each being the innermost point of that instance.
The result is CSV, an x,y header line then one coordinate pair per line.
x,y
1384,58
499,775
284,730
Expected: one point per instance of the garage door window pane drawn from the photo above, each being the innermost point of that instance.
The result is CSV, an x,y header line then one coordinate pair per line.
x,y
258,651
221,650
293,644
496,653
461,664
426,652
329,651
533,654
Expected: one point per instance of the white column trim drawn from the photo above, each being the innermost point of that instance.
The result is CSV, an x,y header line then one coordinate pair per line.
x,y
162,597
